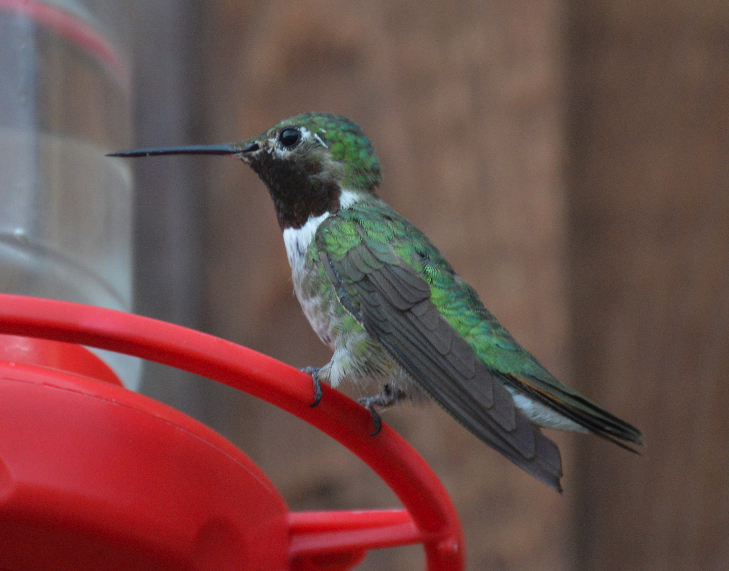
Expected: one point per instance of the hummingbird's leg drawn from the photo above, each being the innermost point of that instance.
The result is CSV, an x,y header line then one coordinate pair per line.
x,y
387,397
314,372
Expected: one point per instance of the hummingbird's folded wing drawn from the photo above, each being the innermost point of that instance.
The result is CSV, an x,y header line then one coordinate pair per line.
x,y
392,302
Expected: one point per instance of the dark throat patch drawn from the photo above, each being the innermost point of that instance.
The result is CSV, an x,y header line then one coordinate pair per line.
x,y
299,190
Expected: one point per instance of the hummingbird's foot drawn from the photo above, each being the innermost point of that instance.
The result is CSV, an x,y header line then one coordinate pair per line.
x,y
387,397
369,403
314,372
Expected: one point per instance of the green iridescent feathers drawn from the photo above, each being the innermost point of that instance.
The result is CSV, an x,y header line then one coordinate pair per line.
x,y
370,234
388,276
397,241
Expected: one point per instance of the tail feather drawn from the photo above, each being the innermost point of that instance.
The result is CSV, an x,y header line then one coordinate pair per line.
x,y
579,409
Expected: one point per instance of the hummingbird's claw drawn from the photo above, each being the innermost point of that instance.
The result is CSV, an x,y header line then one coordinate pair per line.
x,y
376,422
314,372
369,403
387,397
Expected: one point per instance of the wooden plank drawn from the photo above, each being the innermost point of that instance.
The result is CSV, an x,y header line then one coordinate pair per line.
x,y
649,86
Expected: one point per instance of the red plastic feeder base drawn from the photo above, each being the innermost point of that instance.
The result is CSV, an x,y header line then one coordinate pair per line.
x,y
96,477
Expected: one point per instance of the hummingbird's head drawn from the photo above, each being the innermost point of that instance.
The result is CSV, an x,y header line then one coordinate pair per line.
x,y
307,161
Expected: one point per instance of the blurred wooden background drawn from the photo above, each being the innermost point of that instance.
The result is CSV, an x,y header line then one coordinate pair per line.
x,y
571,159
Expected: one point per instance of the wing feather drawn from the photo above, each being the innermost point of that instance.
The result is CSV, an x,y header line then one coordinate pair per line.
x,y
392,302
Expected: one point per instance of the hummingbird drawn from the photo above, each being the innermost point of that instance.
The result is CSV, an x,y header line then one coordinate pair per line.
x,y
392,309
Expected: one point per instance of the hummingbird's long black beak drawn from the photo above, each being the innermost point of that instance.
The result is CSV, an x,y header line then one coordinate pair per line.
x,y
224,149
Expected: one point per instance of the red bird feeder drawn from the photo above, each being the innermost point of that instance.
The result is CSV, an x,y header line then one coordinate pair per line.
x,y
96,477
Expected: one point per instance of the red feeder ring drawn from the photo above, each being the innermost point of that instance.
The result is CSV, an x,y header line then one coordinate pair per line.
x,y
96,477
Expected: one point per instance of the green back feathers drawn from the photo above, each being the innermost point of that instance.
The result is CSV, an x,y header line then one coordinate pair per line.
x,y
389,236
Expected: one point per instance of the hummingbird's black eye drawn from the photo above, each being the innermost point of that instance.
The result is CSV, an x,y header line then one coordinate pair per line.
x,y
289,137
